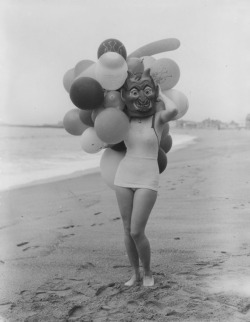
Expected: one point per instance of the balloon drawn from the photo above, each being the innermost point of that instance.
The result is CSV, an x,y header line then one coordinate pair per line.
x,y
148,61
85,117
135,65
111,70
160,106
111,125
73,124
68,79
113,99
82,65
119,147
180,101
112,45
165,72
162,160
109,163
95,112
156,47
90,142
165,130
86,93
166,142
88,72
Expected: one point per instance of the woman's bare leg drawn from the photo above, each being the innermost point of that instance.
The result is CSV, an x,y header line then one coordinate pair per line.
x,y
125,198
144,200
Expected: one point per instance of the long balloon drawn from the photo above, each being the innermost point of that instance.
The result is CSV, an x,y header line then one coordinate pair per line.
x,y
156,47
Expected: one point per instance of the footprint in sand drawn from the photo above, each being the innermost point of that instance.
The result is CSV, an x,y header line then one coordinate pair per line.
x,y
97,213
75,312
116,218
22,244
155,304
66,236
31,247
132,305
103,288
245,309
68,227
86,266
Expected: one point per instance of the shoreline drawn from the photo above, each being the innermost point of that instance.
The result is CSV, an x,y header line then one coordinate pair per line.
x,y
180,145
62,256
62,177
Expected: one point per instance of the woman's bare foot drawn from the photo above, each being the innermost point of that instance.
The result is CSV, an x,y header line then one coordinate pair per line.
x,y
134,279
148,280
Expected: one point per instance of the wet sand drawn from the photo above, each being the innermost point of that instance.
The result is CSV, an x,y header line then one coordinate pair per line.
x,y
62,256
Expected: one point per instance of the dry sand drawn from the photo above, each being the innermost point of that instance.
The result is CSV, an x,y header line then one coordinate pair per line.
x,y
62,256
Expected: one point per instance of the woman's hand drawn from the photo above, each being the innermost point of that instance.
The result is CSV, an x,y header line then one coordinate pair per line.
x,y
170,108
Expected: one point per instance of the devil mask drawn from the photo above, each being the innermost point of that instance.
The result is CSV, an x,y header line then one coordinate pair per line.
x,y
140,93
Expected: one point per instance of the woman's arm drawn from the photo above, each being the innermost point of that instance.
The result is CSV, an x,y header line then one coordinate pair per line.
x,y
170,108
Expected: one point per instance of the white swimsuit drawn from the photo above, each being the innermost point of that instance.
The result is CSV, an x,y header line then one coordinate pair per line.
x,y
139,168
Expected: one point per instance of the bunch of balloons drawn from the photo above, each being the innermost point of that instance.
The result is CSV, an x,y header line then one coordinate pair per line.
x,y
93,88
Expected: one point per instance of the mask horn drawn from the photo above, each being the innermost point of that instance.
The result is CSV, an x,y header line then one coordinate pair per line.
x,y
146,72
130,74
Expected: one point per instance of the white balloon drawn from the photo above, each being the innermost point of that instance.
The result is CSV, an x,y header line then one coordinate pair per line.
x,y
68,79
111,70
180,101
90,142
88,72
110,161
165,73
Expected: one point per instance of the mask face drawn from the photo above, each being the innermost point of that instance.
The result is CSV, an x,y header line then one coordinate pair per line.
x,y
139,94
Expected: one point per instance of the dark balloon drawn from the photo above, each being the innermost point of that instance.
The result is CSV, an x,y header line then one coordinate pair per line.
x,y
113,45
166,143
86,117
86,93
120,147
162,160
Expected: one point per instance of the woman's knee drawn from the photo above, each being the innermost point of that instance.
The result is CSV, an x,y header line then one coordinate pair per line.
x,y
137,234
127,232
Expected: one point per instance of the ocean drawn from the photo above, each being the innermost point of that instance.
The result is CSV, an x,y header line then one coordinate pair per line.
x,y
31,154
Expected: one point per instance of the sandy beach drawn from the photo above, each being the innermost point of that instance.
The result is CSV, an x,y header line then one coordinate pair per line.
x,y
62,256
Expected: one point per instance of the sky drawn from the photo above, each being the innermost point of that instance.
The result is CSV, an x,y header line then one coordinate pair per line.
x,y
40,40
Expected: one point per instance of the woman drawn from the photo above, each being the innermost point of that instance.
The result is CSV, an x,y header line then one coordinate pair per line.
x,y
137,176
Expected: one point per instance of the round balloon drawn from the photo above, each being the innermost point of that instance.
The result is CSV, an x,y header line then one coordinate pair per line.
x,y
135,65
86,93
165,130
165,73
68,79
82,66
112,45
180,101
90,142
113,99
160,106
111,71
73,124
88,72
162,160
119,146
111,125
95,112
109,163
86,117
148,61
166,142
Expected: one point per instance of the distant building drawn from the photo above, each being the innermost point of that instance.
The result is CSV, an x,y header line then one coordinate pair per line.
x,y
208,124
248,121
